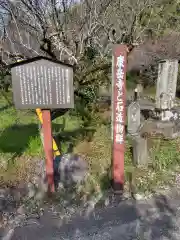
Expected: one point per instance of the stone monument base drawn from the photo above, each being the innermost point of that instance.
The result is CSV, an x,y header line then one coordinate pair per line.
x,y
158,128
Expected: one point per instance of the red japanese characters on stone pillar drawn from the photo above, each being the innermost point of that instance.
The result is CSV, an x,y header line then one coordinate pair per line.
x,y
119,62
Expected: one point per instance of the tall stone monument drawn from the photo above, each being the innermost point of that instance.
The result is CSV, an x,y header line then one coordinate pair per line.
x,y
166,84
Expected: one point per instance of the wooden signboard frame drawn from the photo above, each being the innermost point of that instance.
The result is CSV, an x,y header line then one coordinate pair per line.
x,y
41,83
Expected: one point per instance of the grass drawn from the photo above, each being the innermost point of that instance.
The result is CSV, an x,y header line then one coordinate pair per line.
x,y
162,173
20,143
18,131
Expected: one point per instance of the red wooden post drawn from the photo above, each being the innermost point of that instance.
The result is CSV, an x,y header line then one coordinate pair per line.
x,y
119,63
48,148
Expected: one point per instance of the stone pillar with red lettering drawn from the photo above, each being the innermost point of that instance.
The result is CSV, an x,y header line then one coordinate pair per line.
x,y
119,63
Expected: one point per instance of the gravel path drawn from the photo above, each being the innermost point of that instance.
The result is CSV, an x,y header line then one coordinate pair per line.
x,y
158,218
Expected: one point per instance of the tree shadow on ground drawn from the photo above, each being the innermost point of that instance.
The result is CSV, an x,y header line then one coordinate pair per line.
x,y
108,217
114,217
117,220
15,139
71,138
128,219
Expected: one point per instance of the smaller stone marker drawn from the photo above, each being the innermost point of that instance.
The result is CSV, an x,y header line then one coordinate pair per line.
x,y
139,143
133,118
140,151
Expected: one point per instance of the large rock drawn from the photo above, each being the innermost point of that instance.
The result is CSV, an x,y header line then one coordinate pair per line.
x,y
70,169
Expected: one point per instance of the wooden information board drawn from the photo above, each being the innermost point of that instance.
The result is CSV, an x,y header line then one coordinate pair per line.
x,y
42,83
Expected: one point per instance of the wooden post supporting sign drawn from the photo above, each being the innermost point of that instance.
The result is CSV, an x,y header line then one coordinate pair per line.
x,y
48,148
55,147
119,63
